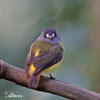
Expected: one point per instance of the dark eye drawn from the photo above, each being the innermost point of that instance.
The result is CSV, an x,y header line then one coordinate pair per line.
x,y
53,35
50,35
47,35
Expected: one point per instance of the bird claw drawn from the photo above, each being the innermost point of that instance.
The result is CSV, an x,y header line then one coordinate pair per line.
x,y
51,77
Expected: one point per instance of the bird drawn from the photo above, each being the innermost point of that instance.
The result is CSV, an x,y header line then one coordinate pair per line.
x,y
45,54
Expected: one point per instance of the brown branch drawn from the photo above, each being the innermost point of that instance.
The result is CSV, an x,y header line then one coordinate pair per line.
x,y
17,75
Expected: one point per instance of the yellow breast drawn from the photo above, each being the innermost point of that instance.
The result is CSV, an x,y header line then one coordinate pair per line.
x,y
52,68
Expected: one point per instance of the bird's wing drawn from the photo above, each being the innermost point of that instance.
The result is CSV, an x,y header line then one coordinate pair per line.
x,y
44,59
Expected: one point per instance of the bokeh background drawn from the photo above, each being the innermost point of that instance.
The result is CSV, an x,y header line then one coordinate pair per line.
x,y
76,21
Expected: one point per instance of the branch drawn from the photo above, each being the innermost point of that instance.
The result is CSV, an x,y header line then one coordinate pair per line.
x,y
17,75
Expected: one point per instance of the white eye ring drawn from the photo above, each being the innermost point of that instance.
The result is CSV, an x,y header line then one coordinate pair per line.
x,y
53,34
47,35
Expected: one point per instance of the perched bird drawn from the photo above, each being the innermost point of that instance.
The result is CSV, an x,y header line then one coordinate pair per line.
x,y
45,54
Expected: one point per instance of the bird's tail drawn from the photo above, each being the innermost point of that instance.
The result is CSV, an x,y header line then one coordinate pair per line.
x,y
34,81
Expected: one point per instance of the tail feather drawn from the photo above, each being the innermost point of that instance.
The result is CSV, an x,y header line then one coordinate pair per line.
x,y
34,81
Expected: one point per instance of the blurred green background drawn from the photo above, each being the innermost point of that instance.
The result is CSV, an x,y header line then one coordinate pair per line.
x,y
76,21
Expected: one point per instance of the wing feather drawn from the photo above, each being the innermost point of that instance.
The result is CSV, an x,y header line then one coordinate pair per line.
x,y
45,59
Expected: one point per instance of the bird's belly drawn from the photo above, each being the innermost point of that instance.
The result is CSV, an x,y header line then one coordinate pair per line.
x,y
52,68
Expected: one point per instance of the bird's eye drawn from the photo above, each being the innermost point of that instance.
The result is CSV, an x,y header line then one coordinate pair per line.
x,y
53,34
50,35
47,35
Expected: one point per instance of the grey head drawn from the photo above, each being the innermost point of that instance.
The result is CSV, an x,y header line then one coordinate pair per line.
x,y
49,35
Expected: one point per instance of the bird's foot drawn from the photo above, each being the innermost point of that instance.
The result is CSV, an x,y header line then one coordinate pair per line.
x,y
51,77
